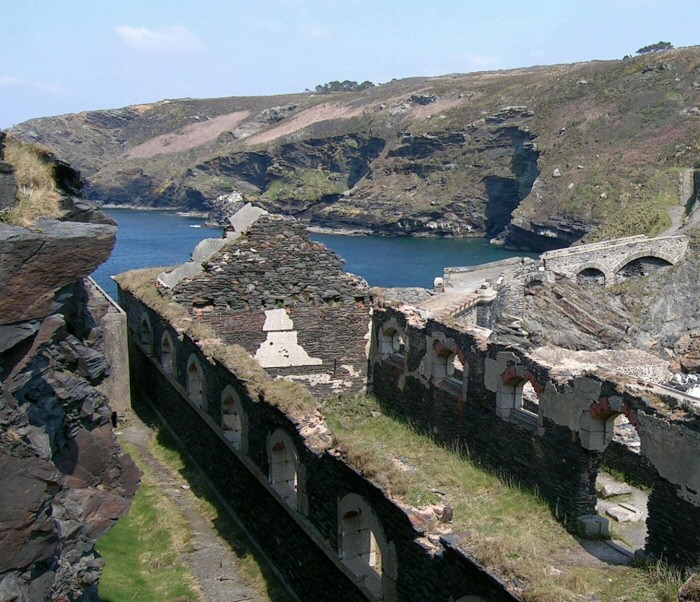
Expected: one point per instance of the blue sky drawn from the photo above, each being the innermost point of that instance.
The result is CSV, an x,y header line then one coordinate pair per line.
x,y
75,55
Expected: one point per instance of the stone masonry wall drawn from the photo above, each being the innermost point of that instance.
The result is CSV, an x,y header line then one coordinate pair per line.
x,y
542,457
303,542
556,447
275,266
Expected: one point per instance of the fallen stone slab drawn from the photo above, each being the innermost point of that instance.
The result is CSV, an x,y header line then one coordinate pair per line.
x,y
630,514
613,489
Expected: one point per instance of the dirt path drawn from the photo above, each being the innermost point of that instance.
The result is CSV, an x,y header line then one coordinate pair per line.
x,y
210,558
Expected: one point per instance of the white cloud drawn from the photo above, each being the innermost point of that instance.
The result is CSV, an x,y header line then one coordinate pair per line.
x,y
175,38
9,80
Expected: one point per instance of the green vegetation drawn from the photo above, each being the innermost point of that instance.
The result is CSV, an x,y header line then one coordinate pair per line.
x,y
308,185
142,553
508,529
658,47
256,571
344,86
37,195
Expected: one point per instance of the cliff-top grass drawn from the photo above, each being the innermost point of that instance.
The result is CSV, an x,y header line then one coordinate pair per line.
x,y
37,195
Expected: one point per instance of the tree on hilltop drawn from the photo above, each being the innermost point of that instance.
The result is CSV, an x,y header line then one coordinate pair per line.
x,y
658,47
344,86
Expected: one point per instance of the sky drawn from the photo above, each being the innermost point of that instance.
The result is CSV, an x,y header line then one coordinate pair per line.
x,y
70,56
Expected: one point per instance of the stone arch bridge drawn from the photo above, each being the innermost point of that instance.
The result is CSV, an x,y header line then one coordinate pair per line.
x,y
612,261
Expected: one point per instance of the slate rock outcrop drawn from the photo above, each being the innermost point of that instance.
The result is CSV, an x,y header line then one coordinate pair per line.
x,y
64,480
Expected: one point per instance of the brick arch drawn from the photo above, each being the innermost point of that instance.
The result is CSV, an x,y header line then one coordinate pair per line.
x,y
597,427
509,396
639,255
511,378
602,409
442,365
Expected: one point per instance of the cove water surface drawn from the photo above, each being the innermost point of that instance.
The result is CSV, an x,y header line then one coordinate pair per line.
x,y
164,238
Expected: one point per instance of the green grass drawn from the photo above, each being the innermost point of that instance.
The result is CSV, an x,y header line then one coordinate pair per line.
x,y
508,529
257,573
142,552
306,185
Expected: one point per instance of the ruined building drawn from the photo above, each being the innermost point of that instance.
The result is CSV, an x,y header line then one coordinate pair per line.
x,y
542,417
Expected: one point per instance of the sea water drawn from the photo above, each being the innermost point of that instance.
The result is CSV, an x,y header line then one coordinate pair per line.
x,y
164,238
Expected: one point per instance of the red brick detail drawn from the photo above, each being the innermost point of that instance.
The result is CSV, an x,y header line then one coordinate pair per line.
x,y
510,376
443,350
601,409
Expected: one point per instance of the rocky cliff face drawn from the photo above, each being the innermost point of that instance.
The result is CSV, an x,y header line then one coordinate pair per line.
x,y
537,158
63,478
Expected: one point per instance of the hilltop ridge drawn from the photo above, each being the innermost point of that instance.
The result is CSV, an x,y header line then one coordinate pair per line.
x,y
537,158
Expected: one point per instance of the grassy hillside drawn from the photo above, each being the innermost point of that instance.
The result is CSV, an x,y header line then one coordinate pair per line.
x,y
589,150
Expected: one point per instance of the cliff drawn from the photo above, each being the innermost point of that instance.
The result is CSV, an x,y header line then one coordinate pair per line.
x,y
537,158
63,478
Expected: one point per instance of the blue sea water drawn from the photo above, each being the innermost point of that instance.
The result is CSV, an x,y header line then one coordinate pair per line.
x,y
164,238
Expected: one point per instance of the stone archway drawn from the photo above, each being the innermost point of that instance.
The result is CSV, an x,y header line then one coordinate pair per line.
x,y
195,382
363,547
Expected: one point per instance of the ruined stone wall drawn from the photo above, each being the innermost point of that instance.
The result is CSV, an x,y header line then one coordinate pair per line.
x,y
300,538
273,267
540,455
555,447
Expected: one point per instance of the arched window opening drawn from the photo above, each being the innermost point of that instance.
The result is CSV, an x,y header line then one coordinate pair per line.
x,y
591,276
528,399
362,545
283,474
233,419
146,335
518,393
447,366
167,354
195,382
392,342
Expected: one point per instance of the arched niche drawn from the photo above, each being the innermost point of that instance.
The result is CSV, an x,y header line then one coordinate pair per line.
x,y
195,382
283,468
392,341
234,421
146,334
518,391
363,547
167,354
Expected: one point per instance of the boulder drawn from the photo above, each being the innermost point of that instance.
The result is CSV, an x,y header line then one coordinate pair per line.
x,y
35,263
8,186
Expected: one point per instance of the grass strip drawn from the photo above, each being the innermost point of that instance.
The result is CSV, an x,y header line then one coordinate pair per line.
x,y
143,551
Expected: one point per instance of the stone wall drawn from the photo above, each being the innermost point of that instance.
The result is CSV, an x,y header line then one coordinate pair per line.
x,y
554,445
287,301
610,257
302,537
536,452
